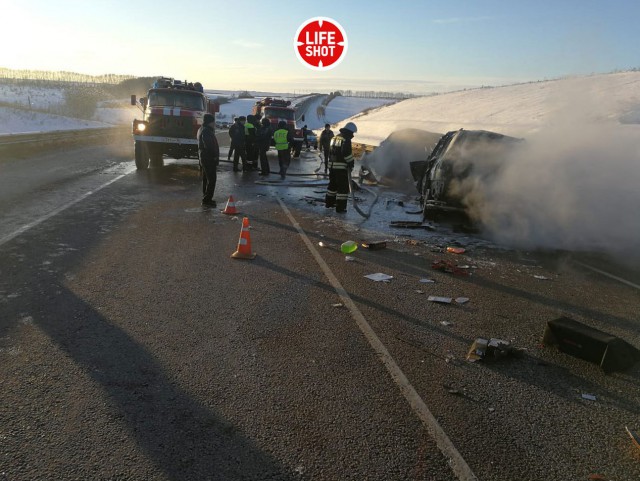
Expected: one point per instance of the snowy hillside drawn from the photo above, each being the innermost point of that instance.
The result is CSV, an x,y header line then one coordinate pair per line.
x,y
17,101
517,110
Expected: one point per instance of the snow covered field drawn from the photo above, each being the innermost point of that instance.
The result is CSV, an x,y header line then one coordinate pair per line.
x,y
517,110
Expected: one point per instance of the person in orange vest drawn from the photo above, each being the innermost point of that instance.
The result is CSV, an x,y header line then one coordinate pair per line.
x,y
340,165
283,140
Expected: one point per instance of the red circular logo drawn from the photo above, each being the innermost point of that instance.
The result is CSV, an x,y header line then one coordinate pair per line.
x,y
320,43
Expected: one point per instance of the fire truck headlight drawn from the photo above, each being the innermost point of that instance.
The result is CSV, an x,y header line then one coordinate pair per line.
x,y
141,127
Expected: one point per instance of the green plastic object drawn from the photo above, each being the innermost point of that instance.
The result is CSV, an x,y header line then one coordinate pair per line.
x,y
348,247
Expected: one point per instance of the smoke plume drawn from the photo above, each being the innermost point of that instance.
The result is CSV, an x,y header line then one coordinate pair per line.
x,y
574,186
390,162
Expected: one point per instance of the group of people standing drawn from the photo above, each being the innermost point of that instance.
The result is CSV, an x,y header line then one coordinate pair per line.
x,y
250,141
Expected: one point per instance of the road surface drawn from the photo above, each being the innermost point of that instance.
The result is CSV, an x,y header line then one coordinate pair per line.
x,y
133,347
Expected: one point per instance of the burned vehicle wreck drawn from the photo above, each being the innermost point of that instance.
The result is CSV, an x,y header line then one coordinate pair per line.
x,y
451,180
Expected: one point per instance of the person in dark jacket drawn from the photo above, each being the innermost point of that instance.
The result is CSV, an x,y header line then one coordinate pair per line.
x,y
340,166
237,142
209,155
263,139
325,144
283,140
250,143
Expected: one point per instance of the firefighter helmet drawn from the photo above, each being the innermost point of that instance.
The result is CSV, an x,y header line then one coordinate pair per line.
x,y
282,124
351,127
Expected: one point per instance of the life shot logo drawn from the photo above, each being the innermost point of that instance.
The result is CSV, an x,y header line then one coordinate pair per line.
x,y
320,43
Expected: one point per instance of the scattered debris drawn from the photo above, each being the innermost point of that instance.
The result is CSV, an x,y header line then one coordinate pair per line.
x,y
446,266
407,224
348,247
489,349
456,250
339,304
349,258
446,323
634,436
589,397
590,344
374,245
596,477
543,278
442,300
427,281
412,242
462,300
379,276
418,291
492,410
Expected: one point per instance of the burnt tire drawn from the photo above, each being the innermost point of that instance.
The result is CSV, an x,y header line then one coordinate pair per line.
x,y
141,156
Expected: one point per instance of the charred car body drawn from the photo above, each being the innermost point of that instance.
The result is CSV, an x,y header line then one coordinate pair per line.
x,y
461,163
172,114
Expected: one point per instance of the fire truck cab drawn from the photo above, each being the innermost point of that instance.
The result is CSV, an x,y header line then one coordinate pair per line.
x,y
276,110
172,113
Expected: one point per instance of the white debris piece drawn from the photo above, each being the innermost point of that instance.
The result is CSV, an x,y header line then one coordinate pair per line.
x,y
379,276
462,300
427,281
589,397
443,300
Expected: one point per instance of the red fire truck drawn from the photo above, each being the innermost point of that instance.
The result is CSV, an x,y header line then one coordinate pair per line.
x,y
172,114
276,110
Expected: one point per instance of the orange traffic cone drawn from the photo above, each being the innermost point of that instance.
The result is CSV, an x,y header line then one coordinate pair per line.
x,y
230,209
244,243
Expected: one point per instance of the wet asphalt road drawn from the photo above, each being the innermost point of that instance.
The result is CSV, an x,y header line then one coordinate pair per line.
x,y
133,347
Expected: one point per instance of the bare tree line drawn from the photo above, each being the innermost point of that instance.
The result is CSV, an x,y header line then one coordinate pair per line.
x,y
61,76
367,94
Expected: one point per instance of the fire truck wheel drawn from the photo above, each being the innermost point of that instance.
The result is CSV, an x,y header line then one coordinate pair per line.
x,y
142,158
156,161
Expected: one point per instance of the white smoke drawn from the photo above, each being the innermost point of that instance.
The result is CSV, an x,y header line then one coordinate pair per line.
x,y
575,186
390,162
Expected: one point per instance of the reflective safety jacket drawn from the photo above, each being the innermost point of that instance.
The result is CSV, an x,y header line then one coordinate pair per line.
x,y
282,137
340,155
250,131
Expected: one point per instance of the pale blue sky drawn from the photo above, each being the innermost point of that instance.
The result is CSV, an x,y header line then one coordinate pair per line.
x,y
400,45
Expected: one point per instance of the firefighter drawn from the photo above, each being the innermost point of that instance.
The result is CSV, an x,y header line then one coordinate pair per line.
x,y
209,155
250,143
283,140
237,142
340,166
325,144
263,139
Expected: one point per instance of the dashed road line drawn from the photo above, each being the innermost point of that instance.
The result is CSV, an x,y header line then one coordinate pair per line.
x,y
457,463
25,228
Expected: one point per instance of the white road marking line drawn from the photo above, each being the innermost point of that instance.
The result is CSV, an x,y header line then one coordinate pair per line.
x,y
457,463
604,273
26,227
